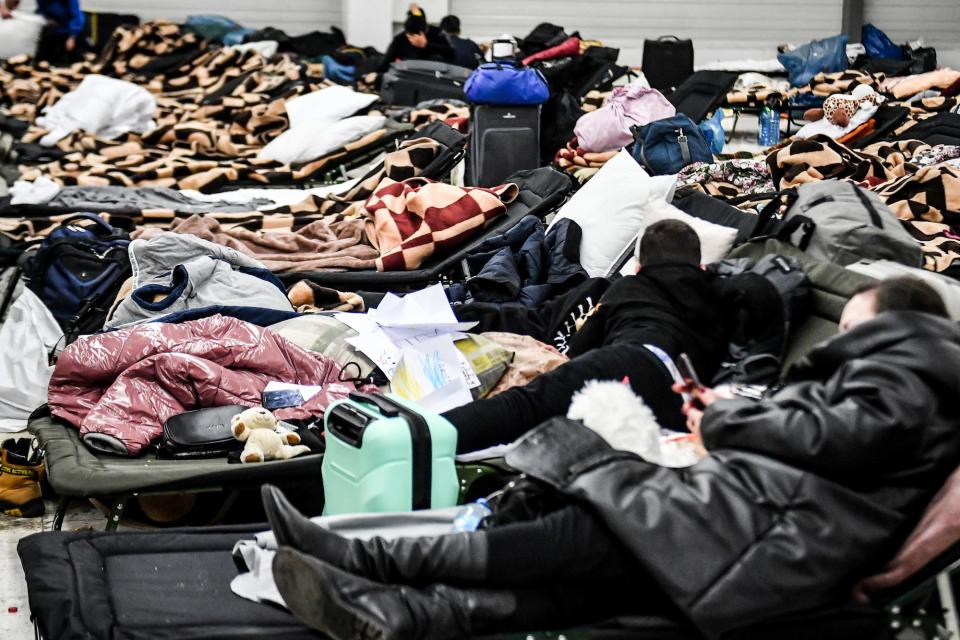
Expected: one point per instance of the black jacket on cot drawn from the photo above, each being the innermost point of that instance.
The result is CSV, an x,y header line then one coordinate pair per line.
x,y
802,494
438,48
673,306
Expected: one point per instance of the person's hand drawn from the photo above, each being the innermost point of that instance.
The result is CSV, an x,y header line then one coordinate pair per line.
x,y
419,40
703,397
414,8
71,43
4,12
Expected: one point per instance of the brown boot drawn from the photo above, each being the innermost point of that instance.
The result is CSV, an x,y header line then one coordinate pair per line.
x,y
20,472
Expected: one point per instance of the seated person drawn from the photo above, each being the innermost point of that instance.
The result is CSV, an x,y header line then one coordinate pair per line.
x,y
417,41
466,52
669,307
802,493
60,37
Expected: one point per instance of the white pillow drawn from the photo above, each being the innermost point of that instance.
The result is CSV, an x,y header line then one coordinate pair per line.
x,y
663,186
715,240
327,105
609,208
318,139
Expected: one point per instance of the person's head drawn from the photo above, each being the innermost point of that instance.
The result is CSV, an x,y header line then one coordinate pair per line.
x,y
415,24
451,25
894,294
668,242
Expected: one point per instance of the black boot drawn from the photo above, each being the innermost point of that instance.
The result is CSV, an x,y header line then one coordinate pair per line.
x,y
347,607
456,557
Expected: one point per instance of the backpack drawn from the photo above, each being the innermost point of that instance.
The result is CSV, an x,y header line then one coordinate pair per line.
x,y
841,223
77,271
766,299
666,146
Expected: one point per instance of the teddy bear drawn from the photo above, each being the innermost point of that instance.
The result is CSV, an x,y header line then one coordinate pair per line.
x,y
263,437
838,109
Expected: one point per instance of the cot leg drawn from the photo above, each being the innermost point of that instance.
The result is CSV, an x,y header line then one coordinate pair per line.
x,y
948,603
116,513
62,505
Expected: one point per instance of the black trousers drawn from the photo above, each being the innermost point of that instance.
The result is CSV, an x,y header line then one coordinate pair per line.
x,y
567,569
52,47
506,417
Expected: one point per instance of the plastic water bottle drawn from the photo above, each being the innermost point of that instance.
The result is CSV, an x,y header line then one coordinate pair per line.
x,y
770,123
471,515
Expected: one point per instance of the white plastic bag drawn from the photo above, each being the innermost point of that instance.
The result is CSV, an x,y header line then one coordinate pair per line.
x,y
28,335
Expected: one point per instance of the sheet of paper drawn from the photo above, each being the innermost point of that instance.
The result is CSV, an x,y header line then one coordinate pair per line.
x,y
375,346
427,366
427,308
359,322
449,396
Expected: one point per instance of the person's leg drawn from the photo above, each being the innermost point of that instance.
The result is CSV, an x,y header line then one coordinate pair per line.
x,y
506,417
345,606
566,545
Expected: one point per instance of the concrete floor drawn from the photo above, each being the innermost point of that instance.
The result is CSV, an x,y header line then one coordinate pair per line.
x,y
14,611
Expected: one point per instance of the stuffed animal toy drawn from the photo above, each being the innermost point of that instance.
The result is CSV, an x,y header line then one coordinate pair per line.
x,y
263,437
840,108
614,412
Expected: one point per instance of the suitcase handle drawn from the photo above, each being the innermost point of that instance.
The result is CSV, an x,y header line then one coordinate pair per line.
x,y
421,444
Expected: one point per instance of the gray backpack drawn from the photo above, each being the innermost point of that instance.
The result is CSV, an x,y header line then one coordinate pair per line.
x,y
839,222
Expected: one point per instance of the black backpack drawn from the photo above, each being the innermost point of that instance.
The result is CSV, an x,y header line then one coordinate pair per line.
x,y
765,300
77,272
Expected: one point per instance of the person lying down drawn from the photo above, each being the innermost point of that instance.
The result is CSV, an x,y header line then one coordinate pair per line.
x,y
802,494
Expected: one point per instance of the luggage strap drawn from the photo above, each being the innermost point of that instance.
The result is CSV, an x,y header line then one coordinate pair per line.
x,y
421,444
684,147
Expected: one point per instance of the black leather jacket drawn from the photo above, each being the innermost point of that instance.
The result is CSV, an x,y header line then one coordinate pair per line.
x,y
802,493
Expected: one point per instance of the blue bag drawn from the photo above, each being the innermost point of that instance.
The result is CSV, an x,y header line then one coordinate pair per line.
x,y
879,45
77,272
666,146
505,84
827,55
712,129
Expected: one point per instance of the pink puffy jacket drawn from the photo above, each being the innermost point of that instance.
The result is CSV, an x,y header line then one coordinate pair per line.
x,y
126,383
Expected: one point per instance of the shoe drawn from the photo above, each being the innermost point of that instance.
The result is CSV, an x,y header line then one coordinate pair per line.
x,y
348,607
453,558
20,473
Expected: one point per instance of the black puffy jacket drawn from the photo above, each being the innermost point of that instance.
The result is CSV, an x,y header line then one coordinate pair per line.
x,y
802,494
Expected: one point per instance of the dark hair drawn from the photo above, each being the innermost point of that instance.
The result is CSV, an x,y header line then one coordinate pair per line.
x,y
450,24
905,293
415,24
668,242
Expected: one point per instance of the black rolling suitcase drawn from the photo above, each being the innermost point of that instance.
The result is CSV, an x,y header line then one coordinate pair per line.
x,y
410,82
503,140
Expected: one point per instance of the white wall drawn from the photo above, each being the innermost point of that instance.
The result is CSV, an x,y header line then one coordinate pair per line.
x,y
293,16
719,29
936,21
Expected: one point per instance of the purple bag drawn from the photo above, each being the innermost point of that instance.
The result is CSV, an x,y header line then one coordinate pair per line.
x,y
608,128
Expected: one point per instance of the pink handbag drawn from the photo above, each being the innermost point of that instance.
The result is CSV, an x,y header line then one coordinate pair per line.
x,y
608,128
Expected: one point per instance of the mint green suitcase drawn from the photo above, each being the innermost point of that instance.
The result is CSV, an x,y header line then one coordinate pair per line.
x,y
384,455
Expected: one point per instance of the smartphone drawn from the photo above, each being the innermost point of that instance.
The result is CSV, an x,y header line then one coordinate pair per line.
x,y
690,378
687,371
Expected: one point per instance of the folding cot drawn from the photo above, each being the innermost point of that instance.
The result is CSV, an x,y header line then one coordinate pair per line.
x,y
175,584
542,191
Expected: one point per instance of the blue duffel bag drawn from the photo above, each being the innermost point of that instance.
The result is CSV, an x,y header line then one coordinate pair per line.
x,y
665,146
506,84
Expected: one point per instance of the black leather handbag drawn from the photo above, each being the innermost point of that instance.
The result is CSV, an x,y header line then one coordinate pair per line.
x,y
667,62
204,433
